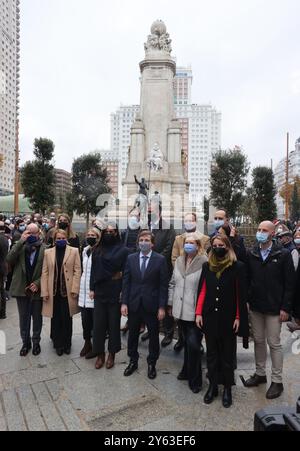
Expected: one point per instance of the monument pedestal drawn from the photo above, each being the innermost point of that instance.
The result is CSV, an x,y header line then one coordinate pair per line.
x,y
155,150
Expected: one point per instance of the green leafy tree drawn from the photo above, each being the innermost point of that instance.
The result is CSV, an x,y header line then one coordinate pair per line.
x,y
229,179
248,208
90,180
38,177
295,204
264,193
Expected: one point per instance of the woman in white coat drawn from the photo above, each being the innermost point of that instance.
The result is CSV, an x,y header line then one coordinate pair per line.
x,y
85,303
182,303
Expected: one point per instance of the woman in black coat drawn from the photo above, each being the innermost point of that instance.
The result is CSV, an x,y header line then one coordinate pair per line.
x,y
222,314
106,285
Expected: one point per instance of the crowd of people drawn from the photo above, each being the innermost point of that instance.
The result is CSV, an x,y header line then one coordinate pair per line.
x,y
204,287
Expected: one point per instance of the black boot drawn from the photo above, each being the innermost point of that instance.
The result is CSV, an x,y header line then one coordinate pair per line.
x,y
167,340
179,345
3,309
227,397
211,393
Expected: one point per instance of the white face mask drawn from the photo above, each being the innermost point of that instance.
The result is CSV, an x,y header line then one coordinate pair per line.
x,y
190,226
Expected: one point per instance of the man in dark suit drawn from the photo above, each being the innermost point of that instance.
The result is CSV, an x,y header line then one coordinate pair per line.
x,y
3,269
164,237
144,299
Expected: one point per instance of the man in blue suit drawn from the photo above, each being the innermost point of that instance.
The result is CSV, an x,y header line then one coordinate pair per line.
x,y
144,299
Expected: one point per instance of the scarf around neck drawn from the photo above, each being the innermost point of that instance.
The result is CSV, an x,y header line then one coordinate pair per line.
x,y
218,266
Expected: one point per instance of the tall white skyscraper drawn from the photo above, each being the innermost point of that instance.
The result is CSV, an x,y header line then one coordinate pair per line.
x,y
201,135
9,90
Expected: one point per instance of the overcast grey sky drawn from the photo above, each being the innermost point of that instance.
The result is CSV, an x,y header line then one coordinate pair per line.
x,y
80,61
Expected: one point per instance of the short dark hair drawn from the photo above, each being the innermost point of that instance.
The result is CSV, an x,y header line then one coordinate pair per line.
x,y
225,211
146,233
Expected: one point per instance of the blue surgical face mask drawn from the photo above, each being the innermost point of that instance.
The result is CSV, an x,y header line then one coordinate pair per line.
x,y
32,239
297,241
22,228
190,248
145,248
61,243
219,223
262,237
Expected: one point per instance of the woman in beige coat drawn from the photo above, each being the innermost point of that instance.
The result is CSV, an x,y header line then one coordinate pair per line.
x,y
183,291
60,286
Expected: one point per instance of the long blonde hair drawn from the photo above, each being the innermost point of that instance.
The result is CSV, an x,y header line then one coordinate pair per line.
x,y
225,240
70,232
96,232
195,237
57,231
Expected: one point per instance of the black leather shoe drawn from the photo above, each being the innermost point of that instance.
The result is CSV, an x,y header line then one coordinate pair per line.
x,y
195,388
227,397
67,351
145,336
59,352
274,391
91,355
255,381
167,340
36,350
25,350
182,376
152,372
211,393
132,367
179,346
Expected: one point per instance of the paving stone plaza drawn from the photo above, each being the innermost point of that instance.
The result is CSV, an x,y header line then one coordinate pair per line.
x,y
66,393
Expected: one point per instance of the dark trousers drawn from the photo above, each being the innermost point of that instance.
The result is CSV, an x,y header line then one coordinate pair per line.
x,y
61,324
2,287
30,309
221,353
87,319
192,367
107,318
135,319
180,332
2,297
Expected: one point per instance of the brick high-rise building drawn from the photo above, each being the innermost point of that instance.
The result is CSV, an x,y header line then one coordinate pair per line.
x,y
110,161
63,186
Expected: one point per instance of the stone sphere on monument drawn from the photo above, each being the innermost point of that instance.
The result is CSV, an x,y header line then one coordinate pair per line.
x,y
158,28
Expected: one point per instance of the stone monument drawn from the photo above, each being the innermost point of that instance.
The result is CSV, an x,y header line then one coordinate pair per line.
x,y
155,149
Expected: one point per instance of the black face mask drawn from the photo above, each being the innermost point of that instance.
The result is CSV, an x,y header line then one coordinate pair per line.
x,y
91,241
109,239
220,252
63,225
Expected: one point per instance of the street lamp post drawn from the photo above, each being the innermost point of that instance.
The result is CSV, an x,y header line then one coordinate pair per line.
x,y
287,180
17,172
